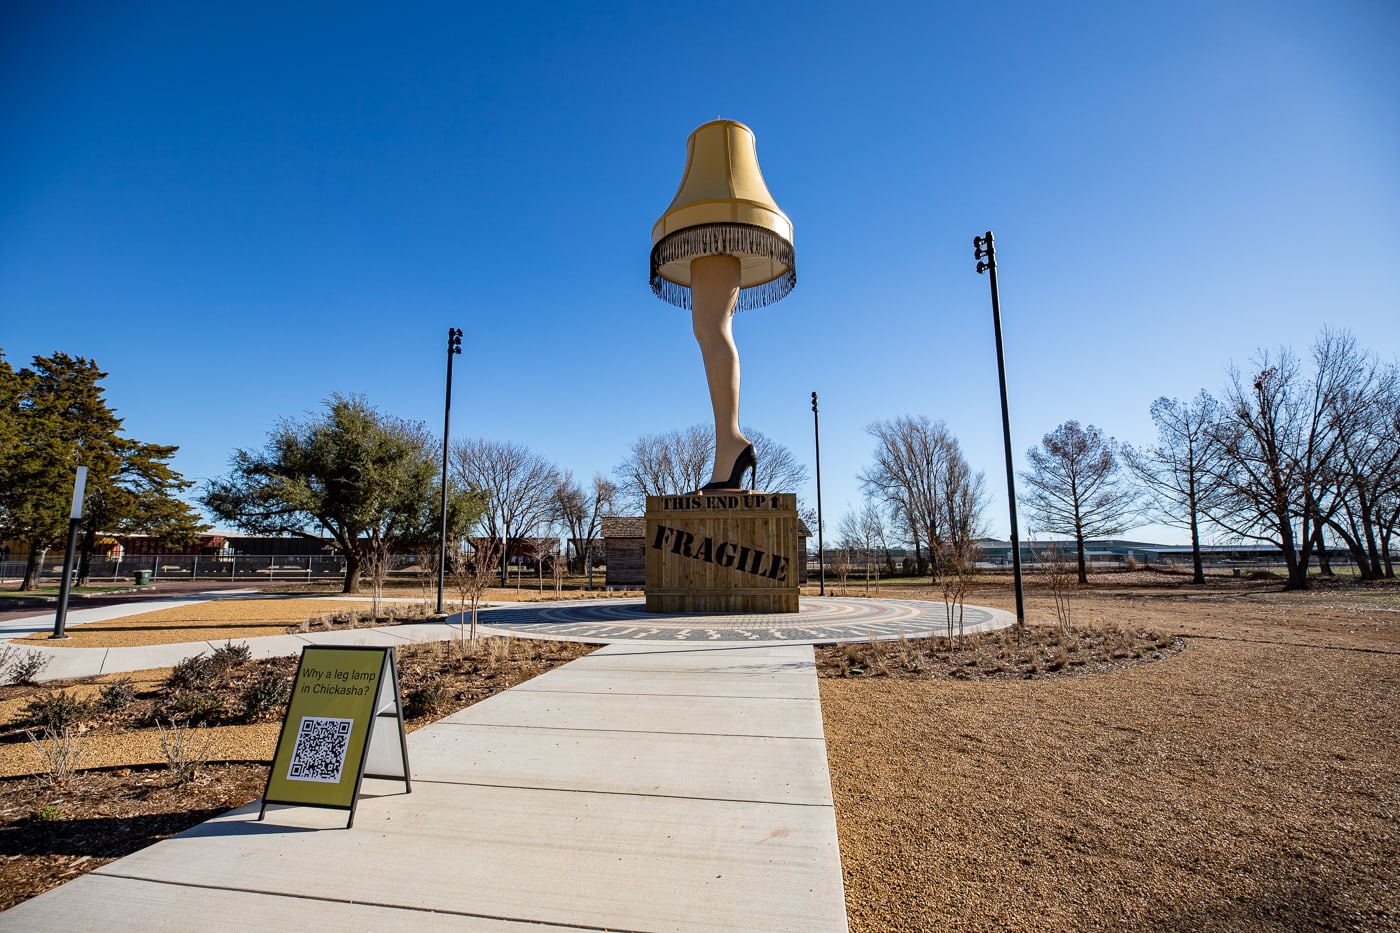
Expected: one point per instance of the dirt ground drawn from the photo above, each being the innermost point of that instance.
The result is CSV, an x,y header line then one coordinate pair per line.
x,y
1247,783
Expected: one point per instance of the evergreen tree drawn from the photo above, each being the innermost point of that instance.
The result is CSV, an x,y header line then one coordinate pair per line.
x,y
57,420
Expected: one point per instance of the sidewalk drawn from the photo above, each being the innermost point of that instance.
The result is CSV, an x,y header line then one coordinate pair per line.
x,y
644,787
68,663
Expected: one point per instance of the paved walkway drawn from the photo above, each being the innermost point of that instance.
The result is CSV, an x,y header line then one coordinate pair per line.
x,y
644,787
822,620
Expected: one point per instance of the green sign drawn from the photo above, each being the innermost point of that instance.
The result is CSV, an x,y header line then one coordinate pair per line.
x,y
329,735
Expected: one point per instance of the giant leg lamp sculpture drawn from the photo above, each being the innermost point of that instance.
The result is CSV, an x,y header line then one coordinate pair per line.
x,y
722,245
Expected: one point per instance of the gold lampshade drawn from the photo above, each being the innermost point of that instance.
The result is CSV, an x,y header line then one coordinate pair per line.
x,y
723,208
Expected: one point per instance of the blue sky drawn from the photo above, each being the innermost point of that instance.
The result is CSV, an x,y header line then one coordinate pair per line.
x,y
239,209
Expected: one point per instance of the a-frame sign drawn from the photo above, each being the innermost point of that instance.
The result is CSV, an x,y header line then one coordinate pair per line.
x,y
344,723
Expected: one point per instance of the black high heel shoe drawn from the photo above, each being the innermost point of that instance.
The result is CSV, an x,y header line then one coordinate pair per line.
x,y
747,460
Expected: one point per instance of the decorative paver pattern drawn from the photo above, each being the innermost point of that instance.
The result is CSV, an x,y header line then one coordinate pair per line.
x,y
822,620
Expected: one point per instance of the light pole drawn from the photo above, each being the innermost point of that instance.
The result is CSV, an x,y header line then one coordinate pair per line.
x,y
984,250
454,347
821,549
75,518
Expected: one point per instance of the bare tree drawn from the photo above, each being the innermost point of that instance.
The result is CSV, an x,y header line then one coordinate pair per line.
x,y
1364,410
1179,472
519,487
471,573
866,530
582,514
678,462
665,465
1075,487
376,567
840,564
778,469
1279,442
920,473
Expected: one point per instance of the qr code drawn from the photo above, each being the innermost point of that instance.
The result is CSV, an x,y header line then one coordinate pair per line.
x,y
319,754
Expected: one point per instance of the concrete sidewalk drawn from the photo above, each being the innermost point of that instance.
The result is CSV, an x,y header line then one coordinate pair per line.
x,y
642,788
65,663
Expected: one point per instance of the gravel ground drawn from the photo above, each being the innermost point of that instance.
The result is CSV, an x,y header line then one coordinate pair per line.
x,y
1247,783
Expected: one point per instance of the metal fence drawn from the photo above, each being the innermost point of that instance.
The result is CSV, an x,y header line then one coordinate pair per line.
x,y
252,568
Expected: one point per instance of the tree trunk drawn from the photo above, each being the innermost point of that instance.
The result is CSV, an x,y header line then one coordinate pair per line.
x,y
85,549
31,569
1324,560
1297,568
1198,571
1083,567
352,571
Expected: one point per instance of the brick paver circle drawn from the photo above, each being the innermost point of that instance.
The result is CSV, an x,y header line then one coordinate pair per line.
x,y
821,620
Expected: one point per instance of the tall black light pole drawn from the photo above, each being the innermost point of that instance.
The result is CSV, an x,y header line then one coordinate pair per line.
x,y
821,548
984,250
454,347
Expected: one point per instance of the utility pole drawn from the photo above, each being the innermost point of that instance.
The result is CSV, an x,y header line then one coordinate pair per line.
x,y
984,250
454,347
821,548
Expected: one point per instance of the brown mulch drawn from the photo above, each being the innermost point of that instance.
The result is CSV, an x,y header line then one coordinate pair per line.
x,y
129,799
1248,782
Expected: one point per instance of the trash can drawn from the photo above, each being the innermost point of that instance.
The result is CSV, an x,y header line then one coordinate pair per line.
x,y
143,577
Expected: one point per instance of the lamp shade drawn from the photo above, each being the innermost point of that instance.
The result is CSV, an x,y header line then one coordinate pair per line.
x,y
723,208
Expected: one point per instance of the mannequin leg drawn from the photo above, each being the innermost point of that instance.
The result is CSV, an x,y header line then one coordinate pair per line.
x,y
714,290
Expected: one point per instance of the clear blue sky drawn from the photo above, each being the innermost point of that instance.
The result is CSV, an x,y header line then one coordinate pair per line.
x,y
240,208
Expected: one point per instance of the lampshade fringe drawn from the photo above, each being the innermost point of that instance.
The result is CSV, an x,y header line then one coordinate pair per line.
x,y
724,240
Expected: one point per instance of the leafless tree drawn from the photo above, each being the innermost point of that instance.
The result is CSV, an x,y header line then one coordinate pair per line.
x,y
921,475
519,487
778,469
861,532
582,513
666,464
678,462
471,572
840,563
1178,473
376,567
1075,487
1279,445
1364,410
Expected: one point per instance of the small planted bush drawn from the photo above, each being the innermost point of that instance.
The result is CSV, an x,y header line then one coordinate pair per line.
x,y
266,693
55,711
26,668
117,695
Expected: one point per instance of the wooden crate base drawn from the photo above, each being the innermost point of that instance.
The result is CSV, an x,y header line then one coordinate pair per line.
x,y
728,552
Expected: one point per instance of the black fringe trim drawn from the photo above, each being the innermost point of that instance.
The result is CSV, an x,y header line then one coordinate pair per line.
x,y
724,240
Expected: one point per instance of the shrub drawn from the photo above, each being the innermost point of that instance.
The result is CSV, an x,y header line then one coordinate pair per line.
x,y
265,694
117,695
55,711
230,656
26,668
425,700
185,750
194,673
195,707
61,751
